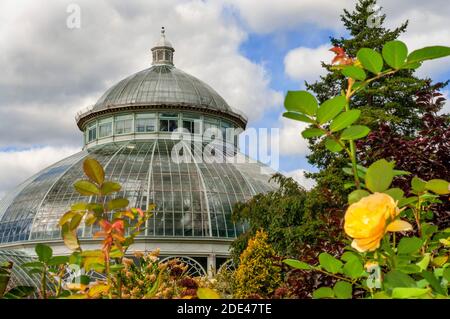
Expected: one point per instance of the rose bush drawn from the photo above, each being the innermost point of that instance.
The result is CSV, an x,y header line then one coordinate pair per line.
x,y
414,267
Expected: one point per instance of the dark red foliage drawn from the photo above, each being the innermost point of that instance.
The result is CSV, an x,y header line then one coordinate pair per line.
x,y
302,283
188,283
426,155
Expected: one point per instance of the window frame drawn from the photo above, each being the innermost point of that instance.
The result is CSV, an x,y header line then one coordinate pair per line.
x,y
123,118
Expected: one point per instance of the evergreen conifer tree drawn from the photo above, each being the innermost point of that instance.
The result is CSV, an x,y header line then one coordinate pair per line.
x,y
389,100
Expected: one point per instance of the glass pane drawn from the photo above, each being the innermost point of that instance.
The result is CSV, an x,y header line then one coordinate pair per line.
x,y
105,129
173,125
92,134
124,126
188,125
145,125
164,125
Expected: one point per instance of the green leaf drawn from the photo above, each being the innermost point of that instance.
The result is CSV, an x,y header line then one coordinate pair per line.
x,y
438,186
298,117
44,252
354,73
70,237
395,193
409,268
381,295
396,278
355,132
428,53
406,201
408,245
405,293
90,219
438,261
411,65
344,120
353,268
348,255
398,172
4,281
395,53
331,108
312,132
58,260
433,281
33,264
86,188
323,292
446,274
333,146
356,195
207,293
75,221
110,187
370,59
94,170
343,290
83,279
297,264
92,253
66,217
117,267
78,207
19,292
301,101
118,203
96,208
329,263
379,176
418,184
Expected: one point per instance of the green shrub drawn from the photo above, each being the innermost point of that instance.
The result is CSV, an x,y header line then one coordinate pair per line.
x,y
258,274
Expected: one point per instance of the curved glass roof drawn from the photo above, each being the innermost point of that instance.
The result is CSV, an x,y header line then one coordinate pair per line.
x,y
162,84
19,275
193,198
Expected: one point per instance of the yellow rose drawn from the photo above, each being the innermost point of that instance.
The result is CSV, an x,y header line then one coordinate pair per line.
x,y
367,221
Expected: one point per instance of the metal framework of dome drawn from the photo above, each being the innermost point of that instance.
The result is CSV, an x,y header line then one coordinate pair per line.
x,y
130,131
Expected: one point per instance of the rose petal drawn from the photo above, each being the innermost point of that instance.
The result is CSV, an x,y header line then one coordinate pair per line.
x,y
367,244
399,225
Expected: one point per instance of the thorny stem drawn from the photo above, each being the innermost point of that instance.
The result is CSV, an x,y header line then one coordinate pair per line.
x,y
330,135
349,93
334,275
106,256
352,154
417,215
60,275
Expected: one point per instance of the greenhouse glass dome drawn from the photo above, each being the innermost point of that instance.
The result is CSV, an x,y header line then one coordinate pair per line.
x,y
151,132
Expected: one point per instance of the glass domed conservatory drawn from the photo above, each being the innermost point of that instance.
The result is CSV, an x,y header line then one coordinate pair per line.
x,y
151,132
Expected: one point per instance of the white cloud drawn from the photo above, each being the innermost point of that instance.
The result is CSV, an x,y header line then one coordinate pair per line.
x,y
428,25
17,166
304,64
299,176
50,71
268,15
291,140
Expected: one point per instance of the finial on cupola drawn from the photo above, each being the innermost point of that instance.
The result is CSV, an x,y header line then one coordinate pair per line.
x,y
163,50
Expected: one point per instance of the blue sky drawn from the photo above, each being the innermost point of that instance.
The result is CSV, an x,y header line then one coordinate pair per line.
x,y
251,51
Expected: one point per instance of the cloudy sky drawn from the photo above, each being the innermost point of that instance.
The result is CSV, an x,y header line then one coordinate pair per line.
x,y
250,51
